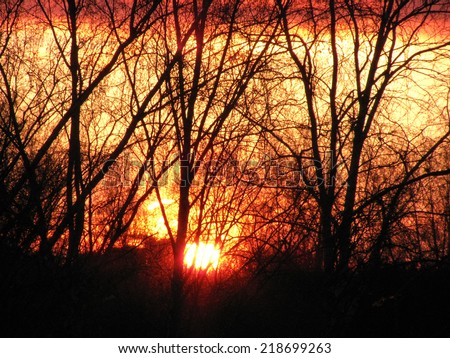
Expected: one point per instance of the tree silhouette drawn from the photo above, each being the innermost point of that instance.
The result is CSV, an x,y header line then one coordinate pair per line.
x,y
366,50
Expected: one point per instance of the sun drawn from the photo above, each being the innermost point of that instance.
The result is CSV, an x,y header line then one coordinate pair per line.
x,y
201,256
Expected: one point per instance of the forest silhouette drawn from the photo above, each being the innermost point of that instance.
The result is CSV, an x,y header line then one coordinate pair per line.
x,y
224,168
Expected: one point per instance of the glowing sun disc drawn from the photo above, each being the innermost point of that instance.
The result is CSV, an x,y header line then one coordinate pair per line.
x,y
202,256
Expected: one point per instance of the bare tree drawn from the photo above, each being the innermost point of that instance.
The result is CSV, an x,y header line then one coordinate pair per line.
x,y
351,59
82,47
208,82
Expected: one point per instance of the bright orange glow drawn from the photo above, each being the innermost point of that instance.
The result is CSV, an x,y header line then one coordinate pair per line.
x,y
135,243
202,256
155,204
154,220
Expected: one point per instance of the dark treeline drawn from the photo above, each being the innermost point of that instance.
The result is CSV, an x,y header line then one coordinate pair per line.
x,y
308,142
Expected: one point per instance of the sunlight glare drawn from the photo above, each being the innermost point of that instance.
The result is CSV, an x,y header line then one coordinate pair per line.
x,y
155,204
201,256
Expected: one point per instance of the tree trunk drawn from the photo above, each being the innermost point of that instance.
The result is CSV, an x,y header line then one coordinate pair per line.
x,y
326,251
74,173
178,297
